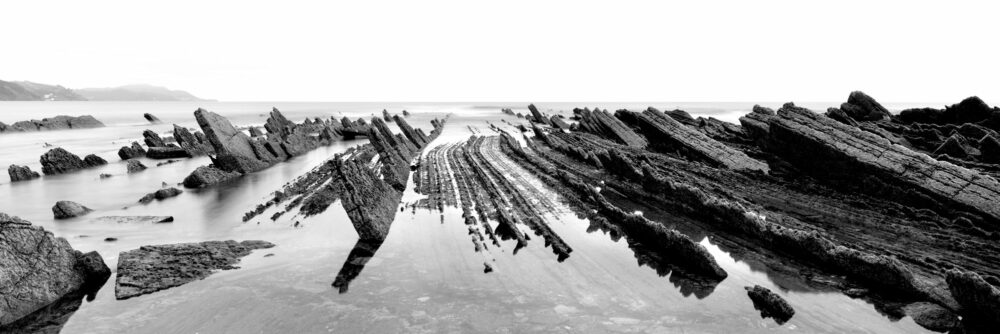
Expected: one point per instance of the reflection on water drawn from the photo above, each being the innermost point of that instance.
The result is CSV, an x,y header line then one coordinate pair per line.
x,y
362,252
423,277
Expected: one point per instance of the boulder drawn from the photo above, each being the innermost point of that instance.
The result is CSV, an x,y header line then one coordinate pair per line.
x,y
154,268
970,110
978,298
69,209
206,176
131,152
160,195
21,173
233,148
152,119
167,152
134,166
770,304
152,139
92,160
58,161
931,316
989,149
40,269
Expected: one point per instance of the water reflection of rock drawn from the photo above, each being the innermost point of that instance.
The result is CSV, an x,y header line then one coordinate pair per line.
x,y
363,251
687,283
52,317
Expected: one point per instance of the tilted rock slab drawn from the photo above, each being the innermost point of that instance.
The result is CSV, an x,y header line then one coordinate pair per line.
x,y
666,130
234,149
830,149
154,268
36,268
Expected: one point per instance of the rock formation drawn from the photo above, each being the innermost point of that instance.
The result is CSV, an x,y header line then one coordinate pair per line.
x,y
53,123
154,268
58,161
160,195
167,152
152,119
601,123
40,270
21,173
69,209
134,166
537,116
152,139
979,299
206,175
191,143
770,304
131,152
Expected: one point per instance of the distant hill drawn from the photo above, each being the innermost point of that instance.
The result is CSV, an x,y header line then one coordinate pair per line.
x,y
137,93
32,91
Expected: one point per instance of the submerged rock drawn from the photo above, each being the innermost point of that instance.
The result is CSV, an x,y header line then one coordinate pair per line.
x,y
133,219
152,119
21,173
154,268
69,209
160,195
40,270
207,175
167,152
134,166
770,304
131,152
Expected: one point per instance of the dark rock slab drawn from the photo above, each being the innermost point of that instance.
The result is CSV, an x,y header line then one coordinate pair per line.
x,y
663,130
956,147
160,195
21,173
206,175
134,166
770,304
841,154
190,143
152,139
559,123
152,119
233,148
134,219
862,107
600,122
537,116
40,269
410,133
167,152
255,132
58,161
989,149
154,268
92,160
370,202
131,152
60,122
69,209
278,125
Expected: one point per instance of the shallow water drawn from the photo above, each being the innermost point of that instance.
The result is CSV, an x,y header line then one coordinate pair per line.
x,y
425,277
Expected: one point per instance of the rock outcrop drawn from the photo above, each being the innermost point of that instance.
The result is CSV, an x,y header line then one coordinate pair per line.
x,y
206,176
53,123
770,304
152,119
192,143
69,209
537,116
131,152
160,195
58,161
979,299
21,173
134,166
152,139
668,134
842,155
154,268
602,123
39,270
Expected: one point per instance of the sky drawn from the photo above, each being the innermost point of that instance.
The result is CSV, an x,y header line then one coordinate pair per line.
x,y
513,50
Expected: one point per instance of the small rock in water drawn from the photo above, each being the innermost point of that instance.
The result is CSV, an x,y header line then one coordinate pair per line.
x,y
69,209
160,195
770,304
105,175
488,268
21,173
110,239
152,119
134,166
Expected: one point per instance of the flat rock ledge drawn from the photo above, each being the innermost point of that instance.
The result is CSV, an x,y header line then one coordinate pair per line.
x,y
154,268
37,269
770,304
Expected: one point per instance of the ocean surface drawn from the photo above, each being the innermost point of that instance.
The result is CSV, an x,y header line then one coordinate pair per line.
x,y
425,277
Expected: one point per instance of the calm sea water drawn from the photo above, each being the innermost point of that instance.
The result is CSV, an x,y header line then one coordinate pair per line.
x,y
425,277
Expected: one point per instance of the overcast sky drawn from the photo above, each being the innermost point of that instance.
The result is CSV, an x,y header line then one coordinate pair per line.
x,y
920,51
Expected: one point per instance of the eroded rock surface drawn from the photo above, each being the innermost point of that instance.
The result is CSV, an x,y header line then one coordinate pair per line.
x,y
154,268
37,269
